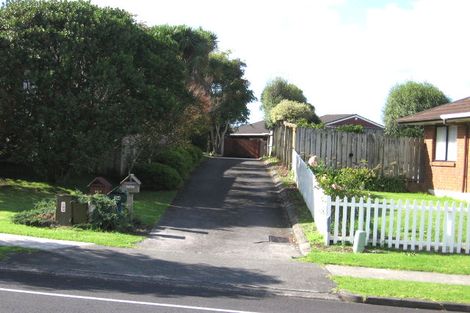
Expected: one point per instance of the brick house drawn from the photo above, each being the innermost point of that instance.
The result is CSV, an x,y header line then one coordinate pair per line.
x,y
335,120
446,140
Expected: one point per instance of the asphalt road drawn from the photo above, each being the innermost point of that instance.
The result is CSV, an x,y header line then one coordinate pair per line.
x,y
40,293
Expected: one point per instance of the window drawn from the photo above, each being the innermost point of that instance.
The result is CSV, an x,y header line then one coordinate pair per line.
x,y
446,143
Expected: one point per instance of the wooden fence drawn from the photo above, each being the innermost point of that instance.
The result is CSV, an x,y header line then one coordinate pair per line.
x,y
438,227
390,156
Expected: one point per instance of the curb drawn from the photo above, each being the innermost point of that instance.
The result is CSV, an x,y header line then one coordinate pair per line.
x,y
289,207
403,303
240,289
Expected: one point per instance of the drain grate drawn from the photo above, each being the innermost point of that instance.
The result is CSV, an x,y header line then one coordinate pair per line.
x,y
278,239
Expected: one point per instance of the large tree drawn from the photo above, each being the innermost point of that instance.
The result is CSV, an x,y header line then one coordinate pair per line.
x,y
81,79
277,90
229,96
406,99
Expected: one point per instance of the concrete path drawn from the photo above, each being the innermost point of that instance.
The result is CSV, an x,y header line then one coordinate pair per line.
x,y
39,243
378,273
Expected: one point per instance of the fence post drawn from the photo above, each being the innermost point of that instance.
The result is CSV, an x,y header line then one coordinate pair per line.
x,y
327,218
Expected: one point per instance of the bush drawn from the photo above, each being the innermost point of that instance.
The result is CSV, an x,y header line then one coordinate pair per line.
x,y
349,128
388,184
345,182
175,159
158,176
196,153
105,215
41,215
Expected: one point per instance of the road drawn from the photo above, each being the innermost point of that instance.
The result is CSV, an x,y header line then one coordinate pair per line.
x,y
40,293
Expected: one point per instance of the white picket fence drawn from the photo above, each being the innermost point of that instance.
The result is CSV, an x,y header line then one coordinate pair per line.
x,y
438,227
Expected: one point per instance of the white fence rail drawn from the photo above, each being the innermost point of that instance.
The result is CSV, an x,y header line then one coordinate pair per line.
x,y
438,227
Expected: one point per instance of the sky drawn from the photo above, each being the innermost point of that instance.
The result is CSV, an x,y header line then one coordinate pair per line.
x,y
345,55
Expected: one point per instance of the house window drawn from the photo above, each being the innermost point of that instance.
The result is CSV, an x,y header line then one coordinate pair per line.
x,y
446,143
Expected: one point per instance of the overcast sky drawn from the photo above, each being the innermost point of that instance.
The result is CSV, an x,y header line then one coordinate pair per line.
x,y
344,54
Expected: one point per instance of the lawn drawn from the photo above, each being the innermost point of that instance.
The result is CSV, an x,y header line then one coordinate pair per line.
x,y
404,289
17,195
5,251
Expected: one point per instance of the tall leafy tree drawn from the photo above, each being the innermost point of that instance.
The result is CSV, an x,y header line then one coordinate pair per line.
x,y
82,79
277,90
229,96
292,112
406,99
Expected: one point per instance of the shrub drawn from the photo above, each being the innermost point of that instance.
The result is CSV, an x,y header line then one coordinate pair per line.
x,y
105,215
292,111
158,176
307,124
41,215
195,152
345,182
176,160
358,129
388,184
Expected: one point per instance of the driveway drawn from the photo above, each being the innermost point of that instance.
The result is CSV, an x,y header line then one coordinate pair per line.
x,y
228,208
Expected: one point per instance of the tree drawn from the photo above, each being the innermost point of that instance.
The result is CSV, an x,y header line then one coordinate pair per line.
x,y
406,99
276,91
292,112
229,96
82,79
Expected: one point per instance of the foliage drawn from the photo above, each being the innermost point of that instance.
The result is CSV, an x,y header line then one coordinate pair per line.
x,y
357,129
157,176
307,124
41,215
105,215
276,91
345,182
76,79
292,112
388,184
175,158
406,99
229,96
195,153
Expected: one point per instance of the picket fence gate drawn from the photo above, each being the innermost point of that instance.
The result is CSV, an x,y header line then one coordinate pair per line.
x,y
438,227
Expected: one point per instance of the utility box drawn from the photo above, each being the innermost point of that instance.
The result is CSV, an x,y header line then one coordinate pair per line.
x,y
100,185
70,211
63,213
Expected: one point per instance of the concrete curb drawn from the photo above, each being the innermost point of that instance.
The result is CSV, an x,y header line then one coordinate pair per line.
x,y
404,303
240,289
289,207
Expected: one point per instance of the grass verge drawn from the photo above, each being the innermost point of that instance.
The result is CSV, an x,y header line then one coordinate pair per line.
x,y
404,289
18,195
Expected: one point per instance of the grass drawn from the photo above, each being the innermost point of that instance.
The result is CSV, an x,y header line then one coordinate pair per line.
x,y
6,251
18,195
404,289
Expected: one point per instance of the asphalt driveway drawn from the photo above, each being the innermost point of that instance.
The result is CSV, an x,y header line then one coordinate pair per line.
x,y
229,207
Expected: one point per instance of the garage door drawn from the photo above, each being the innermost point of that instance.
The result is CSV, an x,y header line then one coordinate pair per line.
x,y
242,148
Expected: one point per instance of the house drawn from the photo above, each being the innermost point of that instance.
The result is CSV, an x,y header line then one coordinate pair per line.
x,y
249,141
335,120
446,140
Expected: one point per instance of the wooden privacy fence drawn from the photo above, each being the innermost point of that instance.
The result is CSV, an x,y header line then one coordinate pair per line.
x,y
390,156
438,227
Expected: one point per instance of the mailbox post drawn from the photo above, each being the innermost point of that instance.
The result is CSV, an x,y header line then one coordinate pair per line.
x,y
130,185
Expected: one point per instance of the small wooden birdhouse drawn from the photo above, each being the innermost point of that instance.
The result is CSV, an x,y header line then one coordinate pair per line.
x,y
100,185
130,184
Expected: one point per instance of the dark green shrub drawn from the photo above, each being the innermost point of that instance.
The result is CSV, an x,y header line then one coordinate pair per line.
x,y
176,160
105,215
195,152
307,124
158,176
349,128
41,215
388,184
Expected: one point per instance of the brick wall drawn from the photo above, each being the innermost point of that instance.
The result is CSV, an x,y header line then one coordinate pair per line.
x,y
444,175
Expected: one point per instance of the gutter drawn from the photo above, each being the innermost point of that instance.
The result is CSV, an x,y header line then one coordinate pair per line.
x,y
463,116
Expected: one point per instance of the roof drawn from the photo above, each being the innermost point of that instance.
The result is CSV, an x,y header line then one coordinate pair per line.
x,y
455,110
329,119
100,180
254,129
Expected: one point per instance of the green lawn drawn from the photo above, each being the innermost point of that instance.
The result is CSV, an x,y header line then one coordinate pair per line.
x,y
18,195
404,289
397,260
